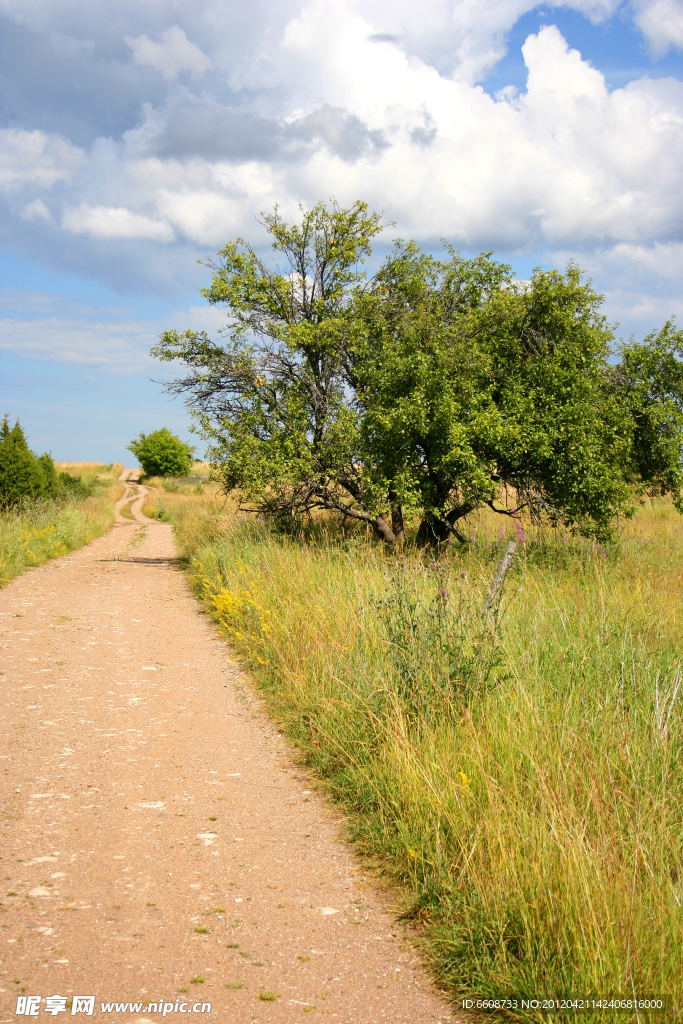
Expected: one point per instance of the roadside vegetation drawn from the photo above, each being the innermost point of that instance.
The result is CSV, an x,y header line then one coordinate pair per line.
x,y
34,529
162,454
518,774
196,481
512,763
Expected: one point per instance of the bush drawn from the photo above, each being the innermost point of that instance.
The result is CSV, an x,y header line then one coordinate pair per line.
x,y
34,530
162,453
74,487
23,474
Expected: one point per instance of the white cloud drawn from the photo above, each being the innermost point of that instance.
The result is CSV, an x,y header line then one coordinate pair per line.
x,y
463,38
37,158
51,328
374,100
114,222
665,259
566,162
205,217
37,210
640,283
119,346
174,53
661,22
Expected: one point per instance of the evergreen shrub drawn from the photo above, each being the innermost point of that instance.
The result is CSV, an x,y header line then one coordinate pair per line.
x,y
23,475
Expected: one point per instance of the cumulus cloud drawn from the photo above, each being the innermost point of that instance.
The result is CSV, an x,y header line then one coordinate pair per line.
x,y
296,101
566,161
174,53
466,39
661,22
37,158
114,222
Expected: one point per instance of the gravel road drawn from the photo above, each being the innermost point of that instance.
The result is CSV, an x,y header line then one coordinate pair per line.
x,y
159,843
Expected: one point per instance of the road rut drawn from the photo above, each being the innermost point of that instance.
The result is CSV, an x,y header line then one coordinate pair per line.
x,y
159,842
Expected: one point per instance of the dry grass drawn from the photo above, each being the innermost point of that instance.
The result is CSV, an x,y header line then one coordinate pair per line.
x,y
198,468
86,469
40,530
520,778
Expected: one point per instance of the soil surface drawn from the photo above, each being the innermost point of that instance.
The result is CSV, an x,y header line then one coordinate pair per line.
x,y
159,843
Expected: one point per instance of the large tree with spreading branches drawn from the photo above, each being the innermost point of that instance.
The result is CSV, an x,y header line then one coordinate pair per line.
x,y
426,390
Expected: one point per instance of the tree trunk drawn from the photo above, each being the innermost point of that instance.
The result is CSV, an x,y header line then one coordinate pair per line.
x,y
383,529
397,525
379,525
435,530
431,532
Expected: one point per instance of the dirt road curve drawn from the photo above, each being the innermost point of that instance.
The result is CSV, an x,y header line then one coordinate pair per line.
x,y
159,843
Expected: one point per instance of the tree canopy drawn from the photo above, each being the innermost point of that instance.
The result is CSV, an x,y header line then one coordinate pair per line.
x,y
23,474
426,390
161,453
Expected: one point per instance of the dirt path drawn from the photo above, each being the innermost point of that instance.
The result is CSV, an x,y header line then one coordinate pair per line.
x,y
159,843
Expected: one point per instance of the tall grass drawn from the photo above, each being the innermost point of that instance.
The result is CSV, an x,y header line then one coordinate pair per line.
x,y
36,531
519,776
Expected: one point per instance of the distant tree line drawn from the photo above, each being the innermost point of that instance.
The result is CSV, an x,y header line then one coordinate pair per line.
x,y
425,391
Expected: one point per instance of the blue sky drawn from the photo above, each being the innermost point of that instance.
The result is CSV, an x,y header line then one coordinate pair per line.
x,y
139,138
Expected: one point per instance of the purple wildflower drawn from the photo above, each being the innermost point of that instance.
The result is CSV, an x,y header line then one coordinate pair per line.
x,y
432,565
443,593
502,531
462,575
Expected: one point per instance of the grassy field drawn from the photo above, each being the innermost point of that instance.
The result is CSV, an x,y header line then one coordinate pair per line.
x,y
518,776
40,530
171,486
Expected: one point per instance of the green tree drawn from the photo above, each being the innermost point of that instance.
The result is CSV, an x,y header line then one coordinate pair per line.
x,y
474,386
23,474
273,399
649,382
429,390
161,453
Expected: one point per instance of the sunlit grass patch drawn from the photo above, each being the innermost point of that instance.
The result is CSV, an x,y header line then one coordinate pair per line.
x,y
38,530
517,774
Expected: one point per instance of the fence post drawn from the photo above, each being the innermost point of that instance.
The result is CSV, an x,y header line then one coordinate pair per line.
x,y
501,573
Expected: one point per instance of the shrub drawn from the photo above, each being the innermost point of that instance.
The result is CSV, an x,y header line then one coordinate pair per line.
x,y
23,474
162,453
36,529
74,487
